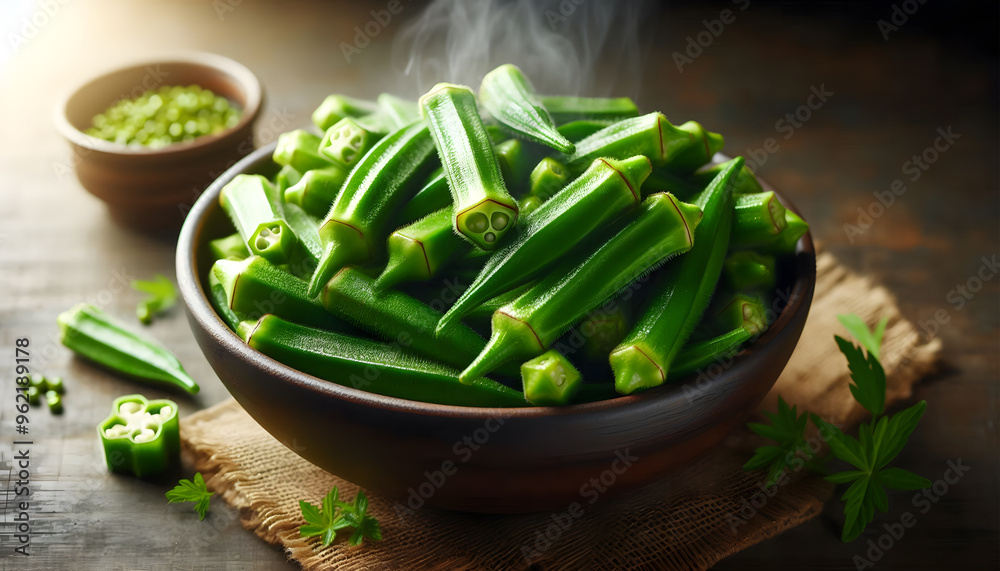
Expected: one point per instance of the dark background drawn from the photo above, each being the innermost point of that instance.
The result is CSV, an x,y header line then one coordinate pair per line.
x,y
890,97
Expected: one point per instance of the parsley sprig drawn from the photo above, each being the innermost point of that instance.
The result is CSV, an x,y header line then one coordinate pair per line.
x,y
188,491
879,441
332,515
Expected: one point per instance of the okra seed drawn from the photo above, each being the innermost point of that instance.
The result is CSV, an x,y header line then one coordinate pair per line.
x,y
477,222
262,242
489,237
128,408
499,221
145,435
265,233
166,411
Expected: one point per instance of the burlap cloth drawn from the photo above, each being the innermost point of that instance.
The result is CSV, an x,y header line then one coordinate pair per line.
x,y
688,520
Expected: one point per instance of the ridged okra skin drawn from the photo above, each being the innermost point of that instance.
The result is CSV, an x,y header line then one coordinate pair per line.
x,y
396,317
747,270
549,379
299,149
567,109
675,149
92,333
579,130
419,250
547,178
355,229
349,361
335,107
316,190
758,220
644,358
608,189
252,205
509,97
254,286
484,210
786,241
527,326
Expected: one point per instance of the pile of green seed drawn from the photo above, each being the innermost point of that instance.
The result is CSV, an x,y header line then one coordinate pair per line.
x,y
170,114
51,387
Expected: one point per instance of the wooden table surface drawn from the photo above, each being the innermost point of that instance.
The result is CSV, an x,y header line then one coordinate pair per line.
x,y
885,102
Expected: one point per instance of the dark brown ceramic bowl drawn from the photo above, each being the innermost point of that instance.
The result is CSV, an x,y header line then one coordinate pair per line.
x,y
480,459
152,189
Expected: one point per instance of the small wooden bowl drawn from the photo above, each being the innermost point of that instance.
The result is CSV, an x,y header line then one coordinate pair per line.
x,y
480,459
151,190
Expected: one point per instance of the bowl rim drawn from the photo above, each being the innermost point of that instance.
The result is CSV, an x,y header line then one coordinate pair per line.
x,y
249,83
202,312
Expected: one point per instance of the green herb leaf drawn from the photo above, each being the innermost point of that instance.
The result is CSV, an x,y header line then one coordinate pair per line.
x,y
903,480
333,515
787,428
868,376
162,296
192,491
870,340
897,432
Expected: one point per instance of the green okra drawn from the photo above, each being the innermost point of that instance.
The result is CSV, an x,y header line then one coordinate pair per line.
x,y
317,189
346,142
610,109
684,186
300,150
745,183
432,196
643,359
747,270
56,384
419,250
735,310
254,287
786,241
696,356
399,112
217,295
509,97
484,311
253,206
484,210
528,204
547,178
396,317
550,379
91,333
54,400
672,148
355,229
602,331
286,177
306,229
758,219
34,396
232,246
664,227
578,130
371,366
607,190
513,164
336,107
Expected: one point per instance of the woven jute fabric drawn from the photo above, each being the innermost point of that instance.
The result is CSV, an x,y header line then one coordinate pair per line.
x,y
690,519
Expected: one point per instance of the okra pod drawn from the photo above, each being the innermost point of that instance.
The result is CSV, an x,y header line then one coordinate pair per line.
x,y
509,97
528,204
735,310
317,189
417,251
758,219
697,151
664,227
432,196
336,107
254,287
91,333
484,311
550,379
484,210
685,186
217,295
286,178
577,131
346,142
355,228
300,150
696,356
747,270
745,183
306,228
607,190
787,240
547,178
566,109
396,317
371,366
513,164
399,112
602,331
232,247
252,205
642,360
